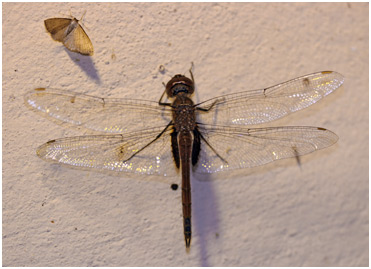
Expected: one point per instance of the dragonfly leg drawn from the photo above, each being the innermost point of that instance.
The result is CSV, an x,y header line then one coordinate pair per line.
x,y
190,71
297,156
206,109
157,137
216,153
162,96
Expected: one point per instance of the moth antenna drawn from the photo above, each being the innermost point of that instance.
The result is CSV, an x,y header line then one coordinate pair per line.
x,y
70,15
83,24
82,16
65,15
80,20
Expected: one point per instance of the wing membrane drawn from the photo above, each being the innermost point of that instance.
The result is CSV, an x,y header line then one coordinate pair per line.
x,y
57,27
97,114
243,147
265,105
71,34
110,152
78,41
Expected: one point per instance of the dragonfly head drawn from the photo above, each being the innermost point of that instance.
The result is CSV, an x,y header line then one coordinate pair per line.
x,y
178,84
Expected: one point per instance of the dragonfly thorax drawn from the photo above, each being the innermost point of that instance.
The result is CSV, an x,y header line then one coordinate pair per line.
x,y
179,84
184,117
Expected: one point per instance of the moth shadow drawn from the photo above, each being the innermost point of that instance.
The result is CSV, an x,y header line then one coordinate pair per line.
x,y
86,64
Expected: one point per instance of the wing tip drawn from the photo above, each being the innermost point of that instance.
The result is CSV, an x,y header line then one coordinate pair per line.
x,y
335,137
327,72
339,76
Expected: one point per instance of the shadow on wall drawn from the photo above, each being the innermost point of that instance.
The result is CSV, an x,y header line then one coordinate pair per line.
x,y
86,64
205,212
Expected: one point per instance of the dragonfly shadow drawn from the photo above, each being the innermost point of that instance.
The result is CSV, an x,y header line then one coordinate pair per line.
x,y
86,64
206,217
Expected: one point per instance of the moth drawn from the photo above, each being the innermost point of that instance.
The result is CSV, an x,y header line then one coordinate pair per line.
x,y
71,34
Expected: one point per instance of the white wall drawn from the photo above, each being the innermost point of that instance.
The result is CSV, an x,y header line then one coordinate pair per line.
x,y
275,215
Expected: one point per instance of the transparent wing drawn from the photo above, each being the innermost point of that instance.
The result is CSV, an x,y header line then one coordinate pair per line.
x,y
112,152
260,106
78,41
57,27
98,114
242,147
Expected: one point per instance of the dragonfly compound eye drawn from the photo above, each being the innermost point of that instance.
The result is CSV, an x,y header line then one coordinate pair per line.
x,y
179,83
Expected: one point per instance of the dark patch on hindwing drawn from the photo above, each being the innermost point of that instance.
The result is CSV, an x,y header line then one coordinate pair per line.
x,y
175,148
196,148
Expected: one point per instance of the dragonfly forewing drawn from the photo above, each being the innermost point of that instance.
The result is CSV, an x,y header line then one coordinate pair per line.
x,y
269,104
97,114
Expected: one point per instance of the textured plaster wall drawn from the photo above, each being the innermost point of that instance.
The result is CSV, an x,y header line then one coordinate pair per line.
x,y
275,215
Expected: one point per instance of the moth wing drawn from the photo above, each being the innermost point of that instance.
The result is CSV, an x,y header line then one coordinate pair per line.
x,y
57,27
78,41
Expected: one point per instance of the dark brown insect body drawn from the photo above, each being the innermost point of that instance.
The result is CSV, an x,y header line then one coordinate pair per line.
x,y
173,134
184,147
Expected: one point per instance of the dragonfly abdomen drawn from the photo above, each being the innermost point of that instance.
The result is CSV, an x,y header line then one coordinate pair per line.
x,y
185,148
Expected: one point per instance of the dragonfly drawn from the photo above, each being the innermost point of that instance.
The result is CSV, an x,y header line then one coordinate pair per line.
x,y
179,136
